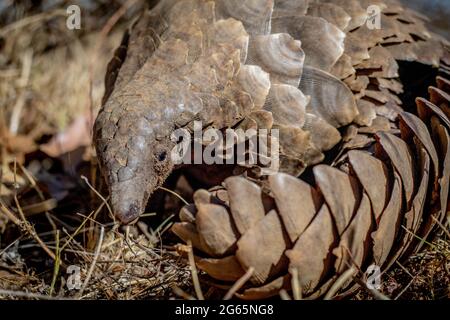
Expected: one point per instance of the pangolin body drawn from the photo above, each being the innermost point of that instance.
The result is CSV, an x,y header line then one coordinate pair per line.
x,y
261,63
219,62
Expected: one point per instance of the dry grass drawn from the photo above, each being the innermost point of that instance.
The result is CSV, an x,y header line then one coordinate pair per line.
x,y
424,276
50,218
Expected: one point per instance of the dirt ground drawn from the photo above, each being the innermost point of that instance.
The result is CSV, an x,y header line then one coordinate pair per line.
x,y
57,239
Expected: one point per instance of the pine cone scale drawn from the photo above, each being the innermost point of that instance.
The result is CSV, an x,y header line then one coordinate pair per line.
x,y
361,180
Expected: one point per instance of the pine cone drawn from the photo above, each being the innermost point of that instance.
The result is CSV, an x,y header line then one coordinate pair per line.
x,y
369,208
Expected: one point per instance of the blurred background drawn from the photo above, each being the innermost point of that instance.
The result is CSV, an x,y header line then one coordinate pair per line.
x,y
437,10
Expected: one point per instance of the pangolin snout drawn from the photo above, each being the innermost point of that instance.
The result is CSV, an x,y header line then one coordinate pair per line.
x,y
128,213
128,199
131,191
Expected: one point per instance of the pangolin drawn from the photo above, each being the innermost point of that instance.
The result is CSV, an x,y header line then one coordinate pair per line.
x,y
298,66
326,75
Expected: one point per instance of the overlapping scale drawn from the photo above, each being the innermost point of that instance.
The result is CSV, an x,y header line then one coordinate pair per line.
x,y
306,68
370,208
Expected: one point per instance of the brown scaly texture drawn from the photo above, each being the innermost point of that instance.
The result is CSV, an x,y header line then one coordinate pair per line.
x,y
219,64
371,207
306,68
388,185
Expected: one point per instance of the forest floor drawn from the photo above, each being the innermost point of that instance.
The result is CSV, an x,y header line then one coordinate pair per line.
x,y
57,239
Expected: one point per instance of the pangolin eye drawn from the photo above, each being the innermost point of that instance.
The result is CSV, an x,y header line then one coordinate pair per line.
x,y
162,156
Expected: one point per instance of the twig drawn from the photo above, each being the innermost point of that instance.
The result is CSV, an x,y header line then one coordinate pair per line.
x,y
32,231
66,250
40,207
10,245
25,226
442,226
27,62
99,195
375,293
405,288
30,20
29,295
115,18
238,285
163,224
94,261
181,293
407,272
57,263
340,282
15,115
10,215
78,230
198,289
419,238
295,283
147,250
284,295
46,205
175,194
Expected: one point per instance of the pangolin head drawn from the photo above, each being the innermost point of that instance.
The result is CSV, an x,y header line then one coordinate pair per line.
x,y
134,153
